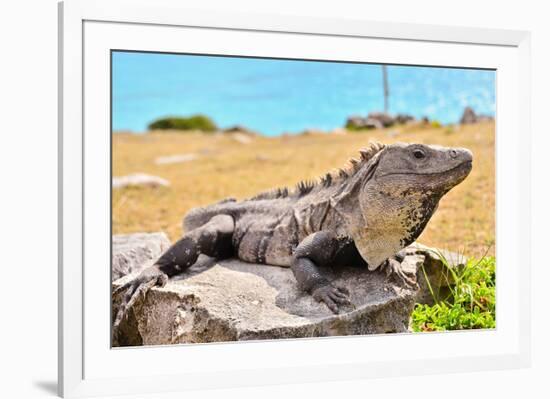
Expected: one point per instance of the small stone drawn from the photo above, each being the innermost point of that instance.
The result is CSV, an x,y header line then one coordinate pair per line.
x,y
139,179
175,159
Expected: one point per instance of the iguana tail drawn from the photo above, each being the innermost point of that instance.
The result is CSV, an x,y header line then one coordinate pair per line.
x,y
197,217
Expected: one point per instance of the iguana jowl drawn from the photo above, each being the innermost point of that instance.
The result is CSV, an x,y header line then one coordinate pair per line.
x,y
364,214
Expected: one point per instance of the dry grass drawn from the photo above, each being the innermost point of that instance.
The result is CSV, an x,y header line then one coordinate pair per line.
x,y
465,220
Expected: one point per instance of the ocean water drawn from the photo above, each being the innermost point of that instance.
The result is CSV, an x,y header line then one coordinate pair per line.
x,y
276,96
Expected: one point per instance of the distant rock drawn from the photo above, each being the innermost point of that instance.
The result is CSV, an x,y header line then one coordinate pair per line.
x,y
133,252
240,129
377,120
372,123
404,118
170,159
356,122
469,116
385,119
139,179
231,300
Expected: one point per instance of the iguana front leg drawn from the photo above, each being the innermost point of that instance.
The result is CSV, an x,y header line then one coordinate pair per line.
x,y
318,249
392,267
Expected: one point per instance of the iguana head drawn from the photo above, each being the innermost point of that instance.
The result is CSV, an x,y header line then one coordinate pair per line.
x,y
398,192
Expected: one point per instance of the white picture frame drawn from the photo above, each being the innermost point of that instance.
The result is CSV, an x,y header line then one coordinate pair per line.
x,y
87,365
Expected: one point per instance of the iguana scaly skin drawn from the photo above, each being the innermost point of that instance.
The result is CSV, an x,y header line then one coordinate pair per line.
x,y
363,214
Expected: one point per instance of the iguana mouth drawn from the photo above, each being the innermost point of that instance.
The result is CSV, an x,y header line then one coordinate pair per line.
x,y
463,165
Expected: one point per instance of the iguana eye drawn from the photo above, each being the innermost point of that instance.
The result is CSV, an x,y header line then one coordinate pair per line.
x,y
419,154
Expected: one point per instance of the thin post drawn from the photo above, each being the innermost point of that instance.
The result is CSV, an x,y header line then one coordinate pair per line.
x,y
386,88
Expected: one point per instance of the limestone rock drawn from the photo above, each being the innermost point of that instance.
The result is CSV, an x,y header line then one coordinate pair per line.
x,y
139,179
434,277
231,300
133,252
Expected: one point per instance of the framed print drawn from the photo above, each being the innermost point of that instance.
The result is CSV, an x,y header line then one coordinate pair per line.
x,y
252,200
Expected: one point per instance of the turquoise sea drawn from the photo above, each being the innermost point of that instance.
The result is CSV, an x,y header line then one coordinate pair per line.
x,y
276,96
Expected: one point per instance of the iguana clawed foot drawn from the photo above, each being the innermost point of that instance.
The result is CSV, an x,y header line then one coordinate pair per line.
x,y
332,296
393,268
133,289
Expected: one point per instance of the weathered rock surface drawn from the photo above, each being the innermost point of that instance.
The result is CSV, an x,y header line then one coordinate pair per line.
x,y
133,252
433,273
232,300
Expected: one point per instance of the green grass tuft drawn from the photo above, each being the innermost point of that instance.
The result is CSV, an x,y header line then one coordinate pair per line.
x,y
470,305
195,122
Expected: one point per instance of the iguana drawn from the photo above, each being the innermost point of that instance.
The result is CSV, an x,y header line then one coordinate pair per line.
x,y
363,214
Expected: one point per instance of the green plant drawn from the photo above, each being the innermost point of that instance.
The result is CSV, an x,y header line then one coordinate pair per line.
x,y
470,304
435,124
194,122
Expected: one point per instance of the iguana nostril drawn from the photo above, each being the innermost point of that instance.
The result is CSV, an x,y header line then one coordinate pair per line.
x,y
453,153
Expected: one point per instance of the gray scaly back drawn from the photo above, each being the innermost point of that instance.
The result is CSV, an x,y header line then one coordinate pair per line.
x,y
337,177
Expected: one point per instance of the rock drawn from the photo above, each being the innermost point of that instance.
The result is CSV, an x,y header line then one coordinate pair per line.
x,y
371,123
133,252
355,122
385,119
231,300
239,129
175,159
139,179
469,116
404,118
434,276
359,122
376,120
